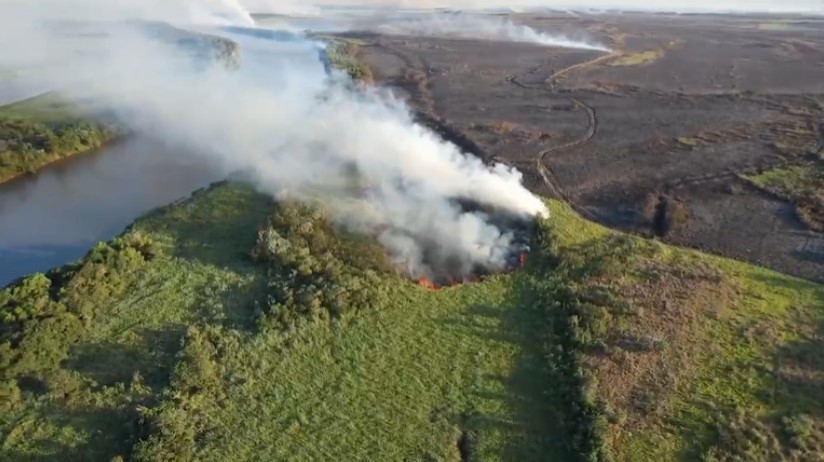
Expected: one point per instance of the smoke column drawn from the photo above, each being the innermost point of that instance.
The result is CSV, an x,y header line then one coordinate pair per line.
x,y
469,26
281,119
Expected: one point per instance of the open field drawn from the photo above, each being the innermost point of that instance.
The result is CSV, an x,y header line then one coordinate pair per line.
x,y
185,338
672,119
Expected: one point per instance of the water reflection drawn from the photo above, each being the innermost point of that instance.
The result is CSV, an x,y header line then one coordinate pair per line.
x,y
55,216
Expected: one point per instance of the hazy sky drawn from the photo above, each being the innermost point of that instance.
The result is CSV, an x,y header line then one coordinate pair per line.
x,y
809,6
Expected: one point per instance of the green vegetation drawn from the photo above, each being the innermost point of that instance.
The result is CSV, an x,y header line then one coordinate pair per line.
x,y
683,347
800,185
85,347
688,141
640,58
49,128
45,129
231,327
774,26
416,374
343,55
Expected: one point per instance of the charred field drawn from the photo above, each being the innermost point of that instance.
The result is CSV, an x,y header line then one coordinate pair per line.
x,y
657,137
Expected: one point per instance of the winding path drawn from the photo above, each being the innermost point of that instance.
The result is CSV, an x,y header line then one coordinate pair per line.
x,y
541,163
546,172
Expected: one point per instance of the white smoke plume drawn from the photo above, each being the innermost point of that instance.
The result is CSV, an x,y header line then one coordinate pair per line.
x,y
471,26
279,118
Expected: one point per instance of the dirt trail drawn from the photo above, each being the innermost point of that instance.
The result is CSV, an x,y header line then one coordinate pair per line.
x,y
546,171
551,79
541,163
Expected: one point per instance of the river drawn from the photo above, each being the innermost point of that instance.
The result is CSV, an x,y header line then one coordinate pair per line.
x,y
57,215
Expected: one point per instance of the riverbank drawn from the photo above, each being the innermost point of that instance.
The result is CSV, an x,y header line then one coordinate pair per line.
x,y
46,129
57,214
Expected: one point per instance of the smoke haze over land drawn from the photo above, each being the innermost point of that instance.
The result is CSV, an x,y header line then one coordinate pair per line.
x,y
281,120
469,26
739,6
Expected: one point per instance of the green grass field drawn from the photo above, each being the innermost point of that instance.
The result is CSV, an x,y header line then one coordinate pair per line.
x,y
180,341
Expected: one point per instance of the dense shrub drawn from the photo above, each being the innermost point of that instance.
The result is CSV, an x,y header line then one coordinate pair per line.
x,y
663,214
41,316
26,145
741,436
570,326
343,56
316,271
168,432
206,50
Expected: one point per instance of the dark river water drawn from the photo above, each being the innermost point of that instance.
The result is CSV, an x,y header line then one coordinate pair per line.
x,y
55,216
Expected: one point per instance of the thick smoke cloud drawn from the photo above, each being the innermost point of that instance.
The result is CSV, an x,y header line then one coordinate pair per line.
x,y
279,119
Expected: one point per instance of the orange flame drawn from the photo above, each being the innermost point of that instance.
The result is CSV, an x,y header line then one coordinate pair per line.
x,y
424,282
522,259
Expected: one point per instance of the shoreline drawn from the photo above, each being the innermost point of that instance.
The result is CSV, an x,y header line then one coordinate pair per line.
x,y
113,141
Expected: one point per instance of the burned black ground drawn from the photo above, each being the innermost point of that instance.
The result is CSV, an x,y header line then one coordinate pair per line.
x,y
683,108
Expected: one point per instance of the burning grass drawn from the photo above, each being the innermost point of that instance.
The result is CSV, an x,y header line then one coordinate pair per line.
x,y
426,283
651,352
440,267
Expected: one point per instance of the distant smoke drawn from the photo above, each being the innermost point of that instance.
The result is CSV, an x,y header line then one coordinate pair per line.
x,y
469,26
737,6
281,119
282,7
235,11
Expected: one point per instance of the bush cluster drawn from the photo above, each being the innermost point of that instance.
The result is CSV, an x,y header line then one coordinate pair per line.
x,y
343,56
570,325
167,431
316,272
741,436
43,315
27,145
207,49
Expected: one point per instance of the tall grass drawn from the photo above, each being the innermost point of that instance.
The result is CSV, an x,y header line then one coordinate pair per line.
x,y
227,327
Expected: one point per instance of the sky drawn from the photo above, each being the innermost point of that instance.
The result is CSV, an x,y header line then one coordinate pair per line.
x,y
787,6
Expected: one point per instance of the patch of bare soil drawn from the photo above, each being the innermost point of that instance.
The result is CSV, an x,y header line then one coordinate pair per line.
x,y
649,357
